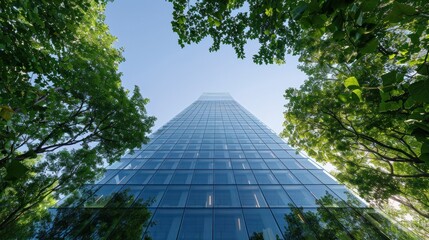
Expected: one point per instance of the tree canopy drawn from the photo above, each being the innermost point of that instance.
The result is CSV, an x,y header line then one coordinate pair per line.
x,y
364,107
63,111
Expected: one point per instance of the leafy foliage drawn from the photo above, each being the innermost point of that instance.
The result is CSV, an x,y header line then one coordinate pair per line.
x,y
60,95
365,106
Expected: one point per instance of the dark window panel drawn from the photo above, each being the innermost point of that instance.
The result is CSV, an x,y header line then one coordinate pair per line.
x,y
261,224
196,224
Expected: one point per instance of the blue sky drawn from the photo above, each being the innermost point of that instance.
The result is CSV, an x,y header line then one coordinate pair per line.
x,y
172,77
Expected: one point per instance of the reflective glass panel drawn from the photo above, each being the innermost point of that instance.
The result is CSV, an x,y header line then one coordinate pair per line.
x,y
175,196
167,223
244,177
200,196
226,196
251,196
261,224
196,224
229,225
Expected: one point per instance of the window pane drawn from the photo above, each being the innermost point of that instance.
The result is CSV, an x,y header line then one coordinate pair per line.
x,y
141,177
236,154
223,177
196,224
300,196
244,177
204,164
107,175
222,164
182,177
121,177
152,164
240,164
279,215
129,193
297,225
342,192
308,164
257,164
226,196
152,194
323,176
202,177
119,165
285,177
161,177
260,223
265,154
229,225
281,154
186,164
200,196
175,196
135,164
325,195
169,164
102,196
265,177
276,196
291,164
167,223
305,177
251,154
355,224
251,196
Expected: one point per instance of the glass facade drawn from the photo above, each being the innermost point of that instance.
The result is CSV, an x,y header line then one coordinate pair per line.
x,y
216,172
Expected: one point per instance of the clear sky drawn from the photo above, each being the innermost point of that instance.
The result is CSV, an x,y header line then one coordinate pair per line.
x,y
172,77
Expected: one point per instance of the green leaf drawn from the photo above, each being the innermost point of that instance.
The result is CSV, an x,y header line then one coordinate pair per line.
x,y
15,170
425,148
351,83
419,91
6,112
359,20
371,46
399,11
423,69
299,11
389,78
419,133
358,94
338,35
424,157
343,97
269,12
390,106
369,5
181,20
318,21
409,103
213,21
422,126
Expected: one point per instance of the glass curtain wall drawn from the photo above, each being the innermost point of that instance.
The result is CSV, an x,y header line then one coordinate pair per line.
x,y
217,172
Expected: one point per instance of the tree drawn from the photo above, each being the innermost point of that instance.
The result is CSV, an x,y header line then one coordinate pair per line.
x,y
365,106
60,98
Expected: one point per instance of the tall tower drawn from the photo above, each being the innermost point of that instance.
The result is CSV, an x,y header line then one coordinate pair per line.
x,y
217,172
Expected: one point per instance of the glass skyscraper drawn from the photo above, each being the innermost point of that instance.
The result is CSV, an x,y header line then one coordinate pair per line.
x,y
217,172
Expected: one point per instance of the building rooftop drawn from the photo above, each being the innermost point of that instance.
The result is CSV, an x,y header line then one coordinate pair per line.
x,y
215,96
